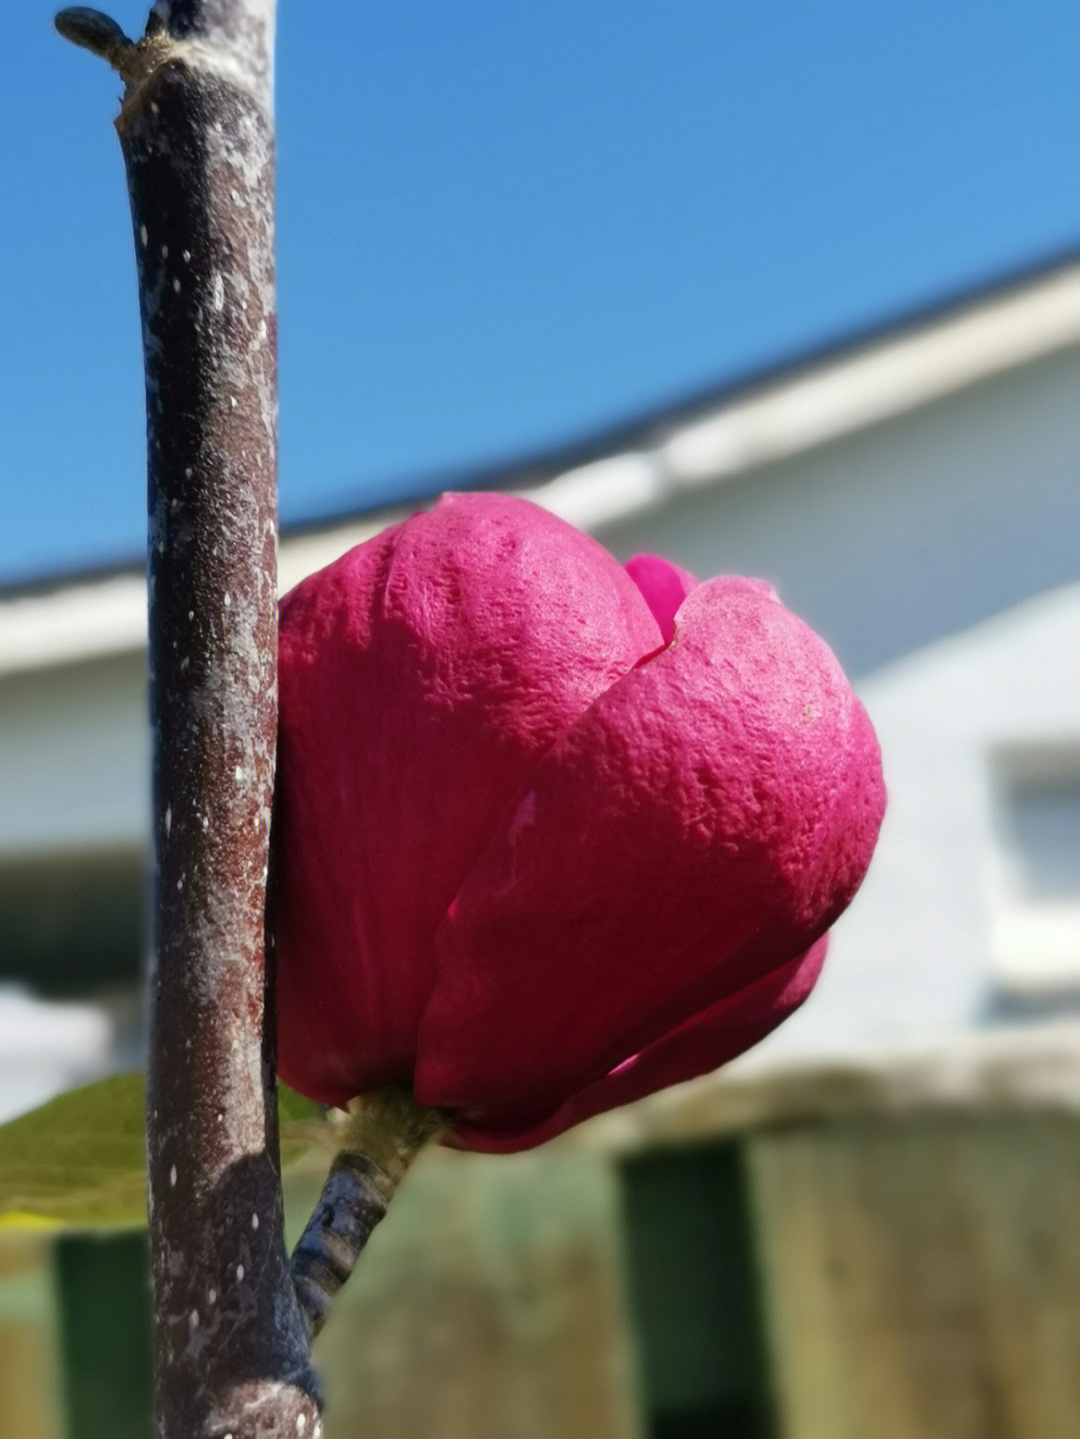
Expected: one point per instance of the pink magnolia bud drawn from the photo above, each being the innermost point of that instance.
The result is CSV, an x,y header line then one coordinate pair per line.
x,y
551,833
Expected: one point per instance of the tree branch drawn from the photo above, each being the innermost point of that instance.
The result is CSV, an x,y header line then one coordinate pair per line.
x,y
196,130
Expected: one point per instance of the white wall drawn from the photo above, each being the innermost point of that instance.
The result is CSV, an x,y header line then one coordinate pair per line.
x,y
914,958
936,552
931,550
74,758
906,532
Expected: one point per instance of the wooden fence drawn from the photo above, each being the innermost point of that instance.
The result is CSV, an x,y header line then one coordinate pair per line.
x,y
884,1250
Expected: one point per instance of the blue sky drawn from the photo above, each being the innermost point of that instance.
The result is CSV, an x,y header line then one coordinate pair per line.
x,y
504,225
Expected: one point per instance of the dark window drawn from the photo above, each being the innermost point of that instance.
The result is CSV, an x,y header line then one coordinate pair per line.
x,y
695,1296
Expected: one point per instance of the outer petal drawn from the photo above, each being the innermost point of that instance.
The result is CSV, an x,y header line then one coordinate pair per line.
x,y
697,1047
421,678
699,827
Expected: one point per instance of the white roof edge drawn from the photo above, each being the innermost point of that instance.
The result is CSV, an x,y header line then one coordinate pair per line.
x,y
83,620
896,373
91,618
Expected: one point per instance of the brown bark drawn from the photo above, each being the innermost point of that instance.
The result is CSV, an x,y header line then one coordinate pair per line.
x,y
196,130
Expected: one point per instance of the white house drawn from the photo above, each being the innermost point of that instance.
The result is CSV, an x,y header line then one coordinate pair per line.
x,y
914,495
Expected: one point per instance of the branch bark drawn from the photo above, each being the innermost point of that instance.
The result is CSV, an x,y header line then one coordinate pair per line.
x,y
196,130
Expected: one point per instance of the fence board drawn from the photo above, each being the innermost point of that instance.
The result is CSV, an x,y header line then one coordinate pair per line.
x,y
490,1306
922,1274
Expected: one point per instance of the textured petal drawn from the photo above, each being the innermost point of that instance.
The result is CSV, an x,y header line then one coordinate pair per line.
x,y
700,1045
701,825
421,678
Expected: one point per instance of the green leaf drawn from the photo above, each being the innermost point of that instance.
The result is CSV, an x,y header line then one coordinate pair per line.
x,y
78,1162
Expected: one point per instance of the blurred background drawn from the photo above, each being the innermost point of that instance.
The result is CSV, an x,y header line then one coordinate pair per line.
x,y
783,290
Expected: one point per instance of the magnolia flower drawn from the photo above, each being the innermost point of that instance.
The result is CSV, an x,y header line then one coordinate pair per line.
x,y
551,833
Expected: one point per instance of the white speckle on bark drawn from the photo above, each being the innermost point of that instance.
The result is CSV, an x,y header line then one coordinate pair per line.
x,y
227,601
193,1319
164,252
190,615
168,820
301,1423
144,235
238,774
219,291
211,1297
254,1221
172,1177
176,285
239,1274
180,883
187,472
205,823
187,257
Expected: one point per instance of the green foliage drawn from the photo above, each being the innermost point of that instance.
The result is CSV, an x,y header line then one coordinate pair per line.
x,y
79,1162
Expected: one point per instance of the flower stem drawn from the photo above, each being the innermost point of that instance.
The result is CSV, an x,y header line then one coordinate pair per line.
x,y
383,1132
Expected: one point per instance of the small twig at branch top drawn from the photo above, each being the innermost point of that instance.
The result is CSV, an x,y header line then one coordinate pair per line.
x,y
94,31
384,1132
99,33
102,35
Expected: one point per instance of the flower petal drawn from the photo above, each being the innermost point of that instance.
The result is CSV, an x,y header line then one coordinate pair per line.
x,y
700,826
421,677
664,587
697,1047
